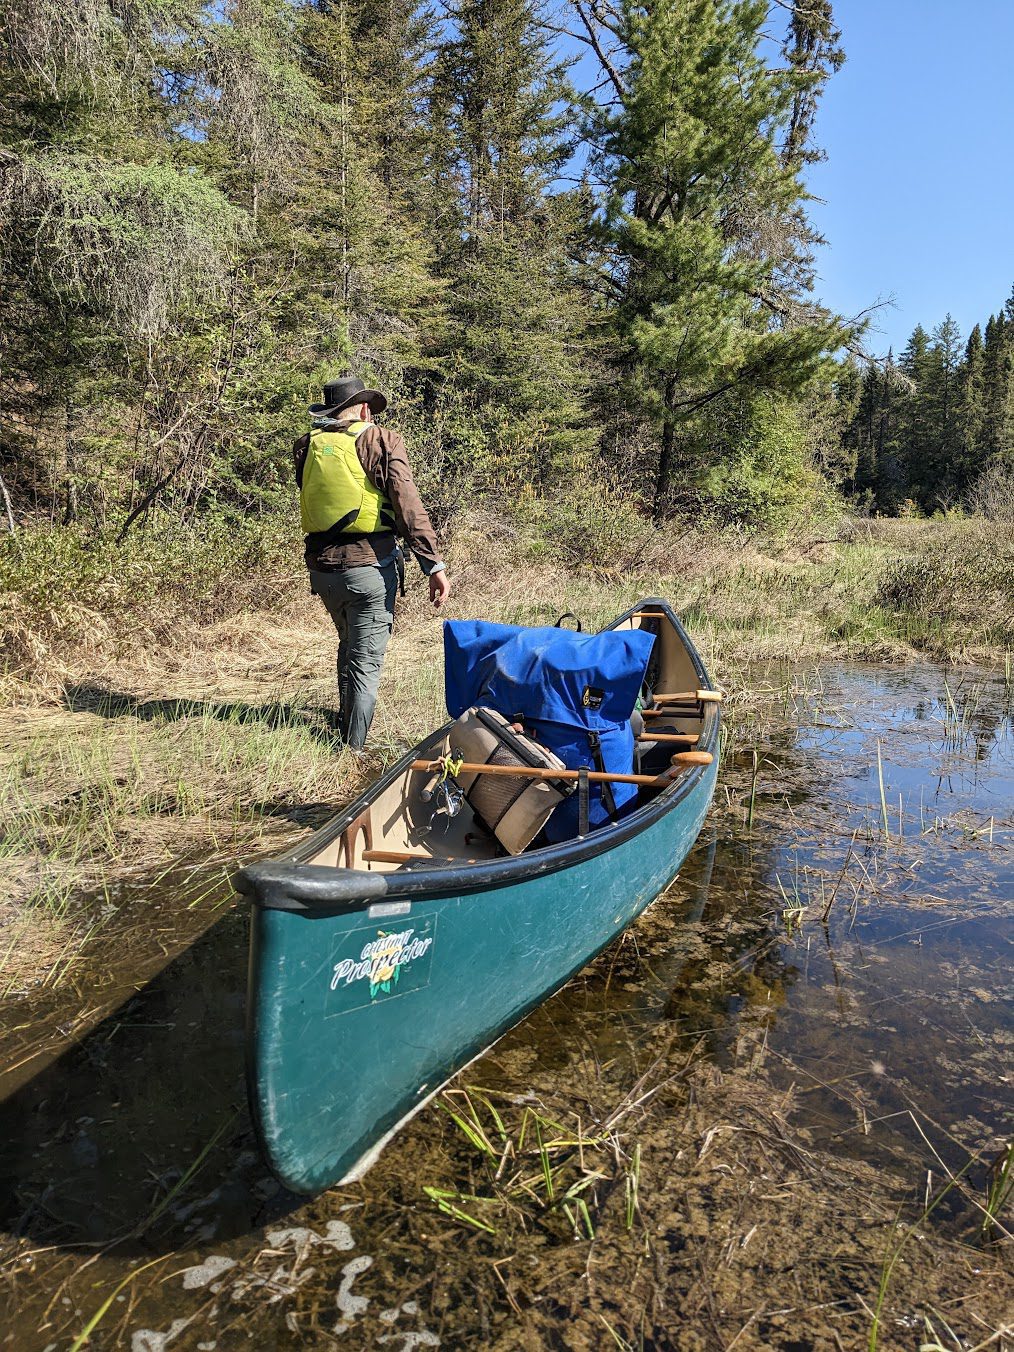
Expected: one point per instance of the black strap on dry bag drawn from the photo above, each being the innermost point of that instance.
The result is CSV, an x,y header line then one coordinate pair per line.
x,y
569,615
608,801
582,800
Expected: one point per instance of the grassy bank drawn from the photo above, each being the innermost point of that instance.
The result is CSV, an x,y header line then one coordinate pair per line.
x,y
168,698
879,588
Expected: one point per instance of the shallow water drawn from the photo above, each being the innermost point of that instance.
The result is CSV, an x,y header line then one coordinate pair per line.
x,y
869,967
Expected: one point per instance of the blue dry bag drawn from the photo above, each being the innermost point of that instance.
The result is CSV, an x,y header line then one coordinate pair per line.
x,y
573,692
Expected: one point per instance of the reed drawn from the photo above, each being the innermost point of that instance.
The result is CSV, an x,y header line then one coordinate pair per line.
x,y
618,1340
84,1336
897,1246
999,1191
632,1183
535,1170
996,1339
883,796
753,790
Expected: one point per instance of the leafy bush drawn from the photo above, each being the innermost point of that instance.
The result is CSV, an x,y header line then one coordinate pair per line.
x,y
63,591
769,482
591,524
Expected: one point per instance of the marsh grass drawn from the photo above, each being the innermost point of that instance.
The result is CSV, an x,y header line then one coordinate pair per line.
x,y
83,1339
96,803
91,802
999,1192
935,1342
859,588
883,796
212,740
534,1171
900,1238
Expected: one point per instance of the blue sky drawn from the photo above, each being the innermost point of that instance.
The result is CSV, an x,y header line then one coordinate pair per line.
x,y
918,126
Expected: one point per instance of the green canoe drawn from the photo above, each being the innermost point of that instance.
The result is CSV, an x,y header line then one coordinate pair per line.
x,y
385,956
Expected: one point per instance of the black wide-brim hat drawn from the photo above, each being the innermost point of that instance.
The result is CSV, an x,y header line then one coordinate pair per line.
x,y
338,394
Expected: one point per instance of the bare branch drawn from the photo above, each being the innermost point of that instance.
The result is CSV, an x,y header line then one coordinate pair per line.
x,y
593,41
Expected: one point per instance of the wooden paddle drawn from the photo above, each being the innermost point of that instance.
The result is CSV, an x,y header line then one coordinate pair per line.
x,y
679,761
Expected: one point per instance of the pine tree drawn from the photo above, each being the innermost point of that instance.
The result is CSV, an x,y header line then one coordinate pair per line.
x,y
914,426
112,236
998,385
692,157
971,412
861,436
892,479
940,393
813,50
365,252
516,312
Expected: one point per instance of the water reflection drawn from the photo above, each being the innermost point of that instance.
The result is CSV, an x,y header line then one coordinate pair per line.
x,y
94,1148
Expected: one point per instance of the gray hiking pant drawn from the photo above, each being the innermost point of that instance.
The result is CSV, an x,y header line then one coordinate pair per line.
x,y
361,603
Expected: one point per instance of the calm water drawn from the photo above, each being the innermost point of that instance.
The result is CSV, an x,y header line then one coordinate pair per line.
x,y
870,968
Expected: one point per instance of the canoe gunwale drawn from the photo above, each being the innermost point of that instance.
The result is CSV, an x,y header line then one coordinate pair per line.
x,y
289,883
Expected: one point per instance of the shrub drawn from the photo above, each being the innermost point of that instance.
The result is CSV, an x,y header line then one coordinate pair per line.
x,y
962,577
763,476
992,495
64,591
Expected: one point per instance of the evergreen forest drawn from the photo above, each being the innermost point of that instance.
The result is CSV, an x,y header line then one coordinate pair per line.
x,y
572,245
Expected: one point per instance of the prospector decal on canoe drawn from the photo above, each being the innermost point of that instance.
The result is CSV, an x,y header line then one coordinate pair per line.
x,y
398,942
369,963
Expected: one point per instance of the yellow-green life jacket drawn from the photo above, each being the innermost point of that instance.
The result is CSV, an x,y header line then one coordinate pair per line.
x,y
336,492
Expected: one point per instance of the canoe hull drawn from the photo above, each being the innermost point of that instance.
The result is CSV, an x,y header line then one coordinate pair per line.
x,y
358,1015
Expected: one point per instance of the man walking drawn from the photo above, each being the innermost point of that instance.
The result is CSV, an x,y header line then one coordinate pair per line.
x,y
355,493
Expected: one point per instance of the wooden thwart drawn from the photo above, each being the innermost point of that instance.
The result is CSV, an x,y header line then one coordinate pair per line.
x,y
406,857
690,697
679,761
687,739
394,857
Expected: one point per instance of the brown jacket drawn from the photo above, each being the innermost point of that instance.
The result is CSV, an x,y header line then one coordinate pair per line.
x,y
383,456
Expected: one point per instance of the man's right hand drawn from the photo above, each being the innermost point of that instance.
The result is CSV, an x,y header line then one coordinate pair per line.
x,y
440,588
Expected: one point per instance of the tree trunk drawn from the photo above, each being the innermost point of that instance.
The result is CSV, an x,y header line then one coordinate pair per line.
x,y
150,497
70,460
9,512
663,480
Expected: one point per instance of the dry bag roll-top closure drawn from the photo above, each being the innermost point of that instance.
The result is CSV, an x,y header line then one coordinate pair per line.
x,y
572,694
336,494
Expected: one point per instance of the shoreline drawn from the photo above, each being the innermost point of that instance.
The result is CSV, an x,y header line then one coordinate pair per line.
x,y
212,742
